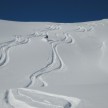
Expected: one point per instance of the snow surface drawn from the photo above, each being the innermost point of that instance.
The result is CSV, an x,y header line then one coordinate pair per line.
x,y
54,65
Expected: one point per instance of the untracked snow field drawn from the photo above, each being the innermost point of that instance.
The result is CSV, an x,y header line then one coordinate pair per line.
x,y
54,65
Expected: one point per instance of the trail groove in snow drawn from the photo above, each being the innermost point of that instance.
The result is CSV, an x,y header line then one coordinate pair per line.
x,y
54,27
87,28
4,49
55,62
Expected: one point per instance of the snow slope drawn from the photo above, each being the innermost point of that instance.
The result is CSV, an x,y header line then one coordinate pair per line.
x,y
53,65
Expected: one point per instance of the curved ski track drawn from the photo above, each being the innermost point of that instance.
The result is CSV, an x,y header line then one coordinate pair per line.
x,y
41,99
4,49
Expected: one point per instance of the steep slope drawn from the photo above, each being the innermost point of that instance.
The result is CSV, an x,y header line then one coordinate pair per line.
x,y
53,65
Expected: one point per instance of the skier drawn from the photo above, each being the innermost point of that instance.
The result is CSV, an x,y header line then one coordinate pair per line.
x,y
46,36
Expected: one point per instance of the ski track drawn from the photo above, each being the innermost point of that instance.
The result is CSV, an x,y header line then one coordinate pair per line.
x,y
88,28
48,100
54,27
4,49
55,59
